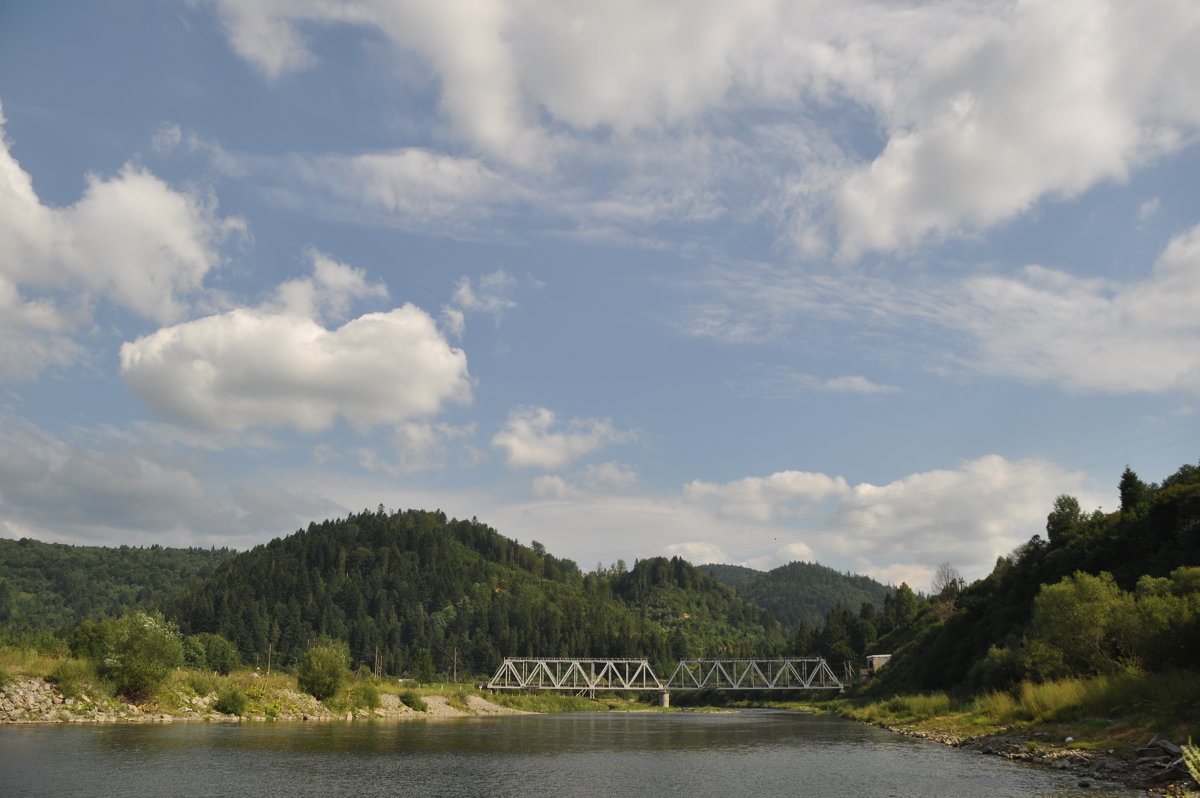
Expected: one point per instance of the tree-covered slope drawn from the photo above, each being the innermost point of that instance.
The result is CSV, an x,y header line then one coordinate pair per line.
x,y
800,592
414,587
51,587
983,636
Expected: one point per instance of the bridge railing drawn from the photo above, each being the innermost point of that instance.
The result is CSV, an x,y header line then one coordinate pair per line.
x,y
795,673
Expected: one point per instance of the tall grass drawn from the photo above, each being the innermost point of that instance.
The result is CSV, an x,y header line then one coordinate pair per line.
x,y
1163,698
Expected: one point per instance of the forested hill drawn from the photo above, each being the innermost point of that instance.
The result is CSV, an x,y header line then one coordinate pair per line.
x,y
1098,593
51,587
800,592
428,593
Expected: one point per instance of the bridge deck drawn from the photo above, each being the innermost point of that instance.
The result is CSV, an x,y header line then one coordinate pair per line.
x,y
578,675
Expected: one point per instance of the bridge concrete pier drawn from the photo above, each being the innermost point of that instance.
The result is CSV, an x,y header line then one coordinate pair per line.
x,y
664,700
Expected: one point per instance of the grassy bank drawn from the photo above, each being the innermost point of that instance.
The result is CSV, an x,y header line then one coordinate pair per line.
x,y
1119,712
250,693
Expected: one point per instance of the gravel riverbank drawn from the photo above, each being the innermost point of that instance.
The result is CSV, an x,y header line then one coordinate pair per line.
x,y
1157,770
38,701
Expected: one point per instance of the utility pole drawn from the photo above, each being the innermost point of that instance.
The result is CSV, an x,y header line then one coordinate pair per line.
x,y
454,666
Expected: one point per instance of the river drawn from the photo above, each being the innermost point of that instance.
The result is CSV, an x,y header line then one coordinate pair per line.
x,y
747,753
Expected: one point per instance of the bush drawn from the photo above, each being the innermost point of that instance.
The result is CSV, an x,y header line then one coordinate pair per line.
x,y
71,676
203,682
140,652
231,701
413,701
322,670
365,695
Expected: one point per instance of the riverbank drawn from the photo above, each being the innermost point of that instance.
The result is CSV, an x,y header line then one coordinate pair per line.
x,y
1158,771
35,700
1063,725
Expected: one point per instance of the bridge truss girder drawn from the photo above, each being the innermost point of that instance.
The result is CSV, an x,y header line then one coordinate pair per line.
x,y
578,675
797,673
575,675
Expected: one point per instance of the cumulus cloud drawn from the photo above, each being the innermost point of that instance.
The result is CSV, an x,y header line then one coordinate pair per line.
x,y
760,498
130,239
278,366
969,515
529,438
983,110
328,291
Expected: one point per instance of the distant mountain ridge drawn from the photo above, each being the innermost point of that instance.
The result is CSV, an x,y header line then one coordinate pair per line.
x,y
800,592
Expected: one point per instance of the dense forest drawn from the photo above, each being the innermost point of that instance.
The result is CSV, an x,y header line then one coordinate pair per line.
x,y
51,587
800,592
414,591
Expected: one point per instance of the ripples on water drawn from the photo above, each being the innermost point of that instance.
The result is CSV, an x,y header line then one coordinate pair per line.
x,y
594,754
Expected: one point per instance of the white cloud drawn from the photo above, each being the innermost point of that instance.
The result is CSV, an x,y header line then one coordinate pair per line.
x,y
406,188
1088,334
328,291
276,366
529,440
1039,324
969,515
610,475
697,552
984,110
55,490
760,498
130,239
782,381
490,295
249,368
552,486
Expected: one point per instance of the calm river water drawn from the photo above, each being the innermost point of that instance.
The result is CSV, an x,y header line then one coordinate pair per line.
x,y
746,753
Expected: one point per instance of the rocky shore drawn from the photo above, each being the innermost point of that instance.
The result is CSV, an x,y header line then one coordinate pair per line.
x,y
38,701
1157,769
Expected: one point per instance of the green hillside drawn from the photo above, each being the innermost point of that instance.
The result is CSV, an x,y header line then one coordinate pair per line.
x,y
418,590
1100,593
800,593
51,587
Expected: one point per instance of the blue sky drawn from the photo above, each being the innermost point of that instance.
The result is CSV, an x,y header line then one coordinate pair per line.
x,y
867,284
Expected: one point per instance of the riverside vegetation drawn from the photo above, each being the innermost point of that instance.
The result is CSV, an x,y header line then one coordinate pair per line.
x,y
1089,630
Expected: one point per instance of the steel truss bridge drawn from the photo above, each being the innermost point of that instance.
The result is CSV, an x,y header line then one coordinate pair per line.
x,y
587,675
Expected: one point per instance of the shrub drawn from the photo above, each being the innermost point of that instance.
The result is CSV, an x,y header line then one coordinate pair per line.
x,y
322,670
365,695
231,701
140,653
1191,758
71,676
203,682
414,701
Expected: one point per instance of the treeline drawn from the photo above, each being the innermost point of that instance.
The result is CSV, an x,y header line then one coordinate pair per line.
x,y
1100,592
50,588
413,591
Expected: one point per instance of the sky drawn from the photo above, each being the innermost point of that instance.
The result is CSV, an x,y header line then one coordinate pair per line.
x,y
861,283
